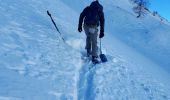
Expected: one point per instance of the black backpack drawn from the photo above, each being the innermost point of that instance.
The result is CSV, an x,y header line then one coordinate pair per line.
x,y
93,15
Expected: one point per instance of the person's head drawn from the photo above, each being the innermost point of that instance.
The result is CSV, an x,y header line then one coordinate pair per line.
x,y
94,3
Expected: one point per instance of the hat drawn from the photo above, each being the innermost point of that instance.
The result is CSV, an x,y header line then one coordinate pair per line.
x,y
94,3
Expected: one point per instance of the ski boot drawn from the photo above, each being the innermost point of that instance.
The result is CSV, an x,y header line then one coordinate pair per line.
x,y
95,60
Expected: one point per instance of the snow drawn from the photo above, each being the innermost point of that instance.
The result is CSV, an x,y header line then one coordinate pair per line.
x,y
35,63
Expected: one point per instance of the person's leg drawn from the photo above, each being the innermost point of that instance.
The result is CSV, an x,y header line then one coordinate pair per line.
x,y
94,44
88,40
88,45
94,47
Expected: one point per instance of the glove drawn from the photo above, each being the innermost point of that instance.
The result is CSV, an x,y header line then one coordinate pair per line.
x,y
101,35
80,29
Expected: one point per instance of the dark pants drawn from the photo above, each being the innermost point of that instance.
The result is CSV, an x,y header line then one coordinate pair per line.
x,y
91,39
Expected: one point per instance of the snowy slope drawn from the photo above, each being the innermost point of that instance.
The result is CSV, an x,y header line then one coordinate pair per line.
x,y
36,64
148,35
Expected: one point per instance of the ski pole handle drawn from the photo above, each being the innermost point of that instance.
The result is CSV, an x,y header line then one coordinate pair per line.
x,y
48,13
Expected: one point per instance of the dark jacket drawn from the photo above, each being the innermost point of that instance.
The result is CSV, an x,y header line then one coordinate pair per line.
x,y
94,5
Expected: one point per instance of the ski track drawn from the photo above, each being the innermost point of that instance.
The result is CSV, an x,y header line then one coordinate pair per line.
x,y
85,82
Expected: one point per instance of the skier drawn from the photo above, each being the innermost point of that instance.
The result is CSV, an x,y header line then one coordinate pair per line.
x,y
92,16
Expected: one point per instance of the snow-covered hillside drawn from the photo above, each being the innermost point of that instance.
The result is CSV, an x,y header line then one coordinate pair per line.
x,y
35,64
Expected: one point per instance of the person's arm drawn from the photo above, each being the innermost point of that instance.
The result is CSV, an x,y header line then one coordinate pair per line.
x,y
102,22
82,15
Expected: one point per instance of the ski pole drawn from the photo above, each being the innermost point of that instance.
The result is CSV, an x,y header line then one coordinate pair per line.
x,y
100,47
102,56
55,25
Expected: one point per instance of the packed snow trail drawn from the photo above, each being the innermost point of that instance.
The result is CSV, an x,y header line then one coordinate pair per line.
x,y
114,80
85,82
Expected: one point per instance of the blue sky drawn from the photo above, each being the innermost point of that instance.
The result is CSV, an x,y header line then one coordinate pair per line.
x,y
162,7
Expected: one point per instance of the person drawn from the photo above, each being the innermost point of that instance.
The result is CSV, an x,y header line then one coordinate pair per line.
x,y
91,17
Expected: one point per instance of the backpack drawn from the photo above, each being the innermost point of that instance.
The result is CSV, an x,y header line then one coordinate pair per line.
x,y
92,16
